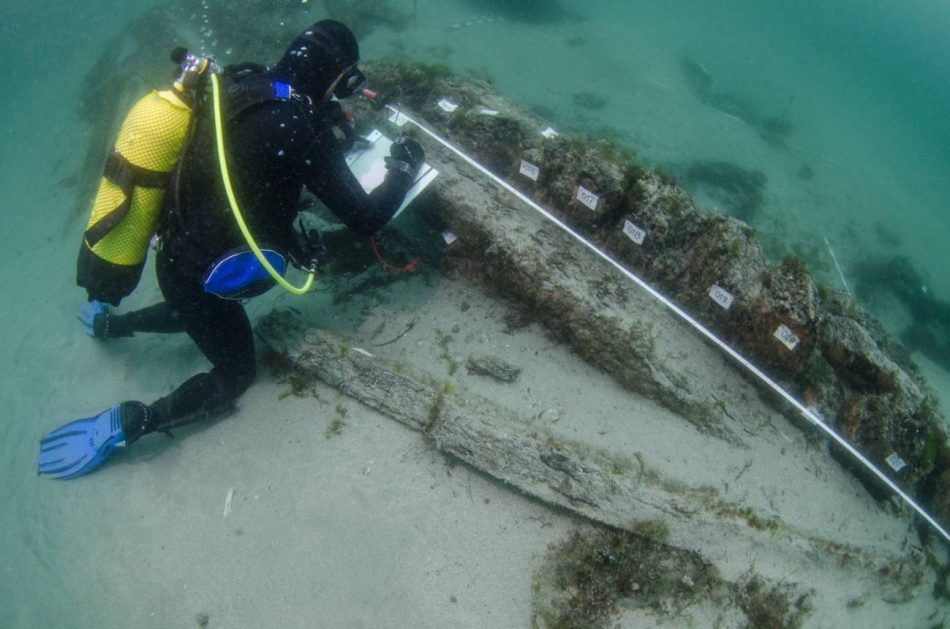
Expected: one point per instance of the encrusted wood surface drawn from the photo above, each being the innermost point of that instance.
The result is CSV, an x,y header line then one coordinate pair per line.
x,y
589,483
603,317
842,362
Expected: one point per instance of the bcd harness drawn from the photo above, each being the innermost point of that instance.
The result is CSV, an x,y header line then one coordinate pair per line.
x,y
150,143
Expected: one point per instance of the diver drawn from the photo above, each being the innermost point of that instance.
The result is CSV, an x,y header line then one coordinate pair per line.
x,y
285,130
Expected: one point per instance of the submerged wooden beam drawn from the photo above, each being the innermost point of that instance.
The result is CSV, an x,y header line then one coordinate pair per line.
x,y
596,485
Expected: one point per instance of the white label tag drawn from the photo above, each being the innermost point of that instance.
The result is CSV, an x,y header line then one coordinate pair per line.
x,y
529,170
633,232
784,334
488,112
449,237
448,105
549,133
587,197
398,118
721,296
895,461
373,135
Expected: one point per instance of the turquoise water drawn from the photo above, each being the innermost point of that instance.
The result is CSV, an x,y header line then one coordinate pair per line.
x,y
861,87
861,90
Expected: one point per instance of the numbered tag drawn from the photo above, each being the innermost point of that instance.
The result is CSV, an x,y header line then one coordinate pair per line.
x,y
448,105
529,170
373,135
633,232
721,296
488,112
398,118
587,197
549,133
449,237
895,461
786,336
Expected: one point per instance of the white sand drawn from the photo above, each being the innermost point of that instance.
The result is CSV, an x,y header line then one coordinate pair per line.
x,y
370,527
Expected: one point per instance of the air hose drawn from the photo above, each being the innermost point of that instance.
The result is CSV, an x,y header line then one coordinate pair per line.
x,y
232,200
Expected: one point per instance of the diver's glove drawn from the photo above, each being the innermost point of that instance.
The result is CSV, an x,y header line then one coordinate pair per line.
x,y
94,316
406,156
310,250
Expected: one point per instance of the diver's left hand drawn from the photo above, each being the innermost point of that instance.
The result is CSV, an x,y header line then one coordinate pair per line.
x,y
88,314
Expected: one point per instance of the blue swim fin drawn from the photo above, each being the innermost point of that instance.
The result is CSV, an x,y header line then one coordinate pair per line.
x,y
81,446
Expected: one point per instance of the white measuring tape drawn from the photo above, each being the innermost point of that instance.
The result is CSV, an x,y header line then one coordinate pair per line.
x,y
804,410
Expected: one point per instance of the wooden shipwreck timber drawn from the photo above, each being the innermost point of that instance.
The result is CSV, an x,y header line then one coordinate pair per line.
x,y
600,486
815,341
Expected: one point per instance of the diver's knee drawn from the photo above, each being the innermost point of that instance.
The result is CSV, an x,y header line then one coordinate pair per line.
x,y
244,380
234,383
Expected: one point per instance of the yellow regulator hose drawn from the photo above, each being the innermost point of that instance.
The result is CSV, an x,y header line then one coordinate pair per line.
x,y
219,134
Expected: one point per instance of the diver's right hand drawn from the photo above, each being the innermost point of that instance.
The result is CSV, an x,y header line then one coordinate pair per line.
x,y
94,316
406,155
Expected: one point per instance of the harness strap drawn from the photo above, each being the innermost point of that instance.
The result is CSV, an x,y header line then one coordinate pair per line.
x,y
117,166
249,91
126,176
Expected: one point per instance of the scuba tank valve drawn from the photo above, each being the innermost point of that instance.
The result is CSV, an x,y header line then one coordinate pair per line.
x,y
191,69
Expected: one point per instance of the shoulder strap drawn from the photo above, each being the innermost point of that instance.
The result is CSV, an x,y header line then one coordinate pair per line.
x,y
248,85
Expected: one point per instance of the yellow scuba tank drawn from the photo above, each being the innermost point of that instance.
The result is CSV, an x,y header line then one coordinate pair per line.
x,y
132,189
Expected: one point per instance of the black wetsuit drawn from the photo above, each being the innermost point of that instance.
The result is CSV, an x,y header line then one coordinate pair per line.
x,y
275,148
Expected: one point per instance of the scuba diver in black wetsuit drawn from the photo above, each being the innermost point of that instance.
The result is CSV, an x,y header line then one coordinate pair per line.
x,y
285,130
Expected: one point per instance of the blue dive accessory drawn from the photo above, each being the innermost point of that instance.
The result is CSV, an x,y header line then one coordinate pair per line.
x,y
282,90
226,288
240,275
81,446
88,314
